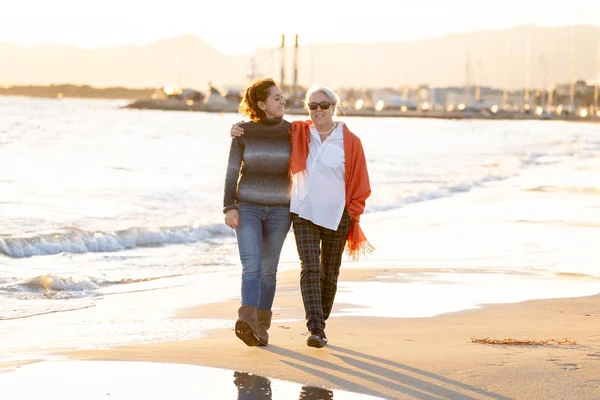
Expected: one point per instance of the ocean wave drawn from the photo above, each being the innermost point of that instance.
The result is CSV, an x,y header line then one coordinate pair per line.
x,y
51,282
437,193
6,315
62,287
499,170
75,240
581,189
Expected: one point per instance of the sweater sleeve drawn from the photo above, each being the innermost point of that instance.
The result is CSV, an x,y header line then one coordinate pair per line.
x,y
236,153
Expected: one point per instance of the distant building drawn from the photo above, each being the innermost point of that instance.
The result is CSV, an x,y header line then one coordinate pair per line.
x,y
581,88
234,94
177,93
214,97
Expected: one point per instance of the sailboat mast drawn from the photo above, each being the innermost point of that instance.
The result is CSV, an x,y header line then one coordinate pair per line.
x,y
597,86
294,94
506,75
552,63
526,99
282,60
478,81
572,93
467,78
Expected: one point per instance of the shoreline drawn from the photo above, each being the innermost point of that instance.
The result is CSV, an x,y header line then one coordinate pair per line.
x,y
397,358
167,105
174,105
171,105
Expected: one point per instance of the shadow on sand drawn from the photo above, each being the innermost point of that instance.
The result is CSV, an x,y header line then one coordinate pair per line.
x,y
403,379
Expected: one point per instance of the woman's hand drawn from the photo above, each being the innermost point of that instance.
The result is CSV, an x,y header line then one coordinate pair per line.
x,y
236,130
231,219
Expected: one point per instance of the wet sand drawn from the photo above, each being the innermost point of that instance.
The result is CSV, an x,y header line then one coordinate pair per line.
x,y
405,358
9,365
531,238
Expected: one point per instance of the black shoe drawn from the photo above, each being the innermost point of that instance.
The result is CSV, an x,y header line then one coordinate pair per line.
x,y
315,339
324,338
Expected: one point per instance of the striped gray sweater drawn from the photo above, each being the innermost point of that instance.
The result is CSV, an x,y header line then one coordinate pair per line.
x,y
258,167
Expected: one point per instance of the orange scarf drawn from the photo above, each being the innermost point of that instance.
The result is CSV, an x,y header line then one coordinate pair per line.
x,y
358,188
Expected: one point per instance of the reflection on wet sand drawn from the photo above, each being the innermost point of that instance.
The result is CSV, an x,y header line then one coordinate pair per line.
x,y
254,387
314,393
126,380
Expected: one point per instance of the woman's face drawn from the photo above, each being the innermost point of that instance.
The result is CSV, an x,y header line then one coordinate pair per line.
x,y
319,116
273,106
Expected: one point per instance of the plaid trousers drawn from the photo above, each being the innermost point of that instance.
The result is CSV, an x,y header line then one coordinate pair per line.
x,y
320,251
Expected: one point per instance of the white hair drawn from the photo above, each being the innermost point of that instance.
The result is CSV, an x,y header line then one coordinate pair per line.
x,y
332,95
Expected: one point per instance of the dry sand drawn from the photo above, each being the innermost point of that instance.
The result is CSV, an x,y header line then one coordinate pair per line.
x,y
416,358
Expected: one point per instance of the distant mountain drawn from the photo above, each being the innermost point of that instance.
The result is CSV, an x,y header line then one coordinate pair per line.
x,y
442,61
185,59
497,57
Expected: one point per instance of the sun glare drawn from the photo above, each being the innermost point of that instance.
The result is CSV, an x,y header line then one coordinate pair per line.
x,y
171,90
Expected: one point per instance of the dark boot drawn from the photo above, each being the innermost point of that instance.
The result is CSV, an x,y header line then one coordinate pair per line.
x,y
263,325
316,338
245,326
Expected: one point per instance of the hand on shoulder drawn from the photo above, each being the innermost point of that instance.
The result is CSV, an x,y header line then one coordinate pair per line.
x,y
236,130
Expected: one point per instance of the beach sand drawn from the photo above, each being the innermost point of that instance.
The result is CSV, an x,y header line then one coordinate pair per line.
x,y
406,358
534,237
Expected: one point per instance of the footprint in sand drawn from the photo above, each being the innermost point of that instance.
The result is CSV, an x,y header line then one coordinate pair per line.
x,y
568,366
594,355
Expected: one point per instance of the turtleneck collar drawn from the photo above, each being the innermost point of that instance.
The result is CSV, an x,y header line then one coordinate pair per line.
x,y
272,121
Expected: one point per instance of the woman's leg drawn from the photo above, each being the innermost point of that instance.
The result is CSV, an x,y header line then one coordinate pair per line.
x,y
249,237
276,226
308,243
332,247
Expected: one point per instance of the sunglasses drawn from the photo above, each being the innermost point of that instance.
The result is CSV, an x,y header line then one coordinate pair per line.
x,y
323,104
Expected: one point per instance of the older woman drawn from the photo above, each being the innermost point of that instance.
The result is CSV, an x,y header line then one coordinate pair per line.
x,y
330,185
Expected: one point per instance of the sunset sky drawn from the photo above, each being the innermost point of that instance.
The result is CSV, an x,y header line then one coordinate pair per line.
x,y
234,28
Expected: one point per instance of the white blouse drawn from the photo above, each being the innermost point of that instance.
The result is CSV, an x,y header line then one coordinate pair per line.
x,y
319,191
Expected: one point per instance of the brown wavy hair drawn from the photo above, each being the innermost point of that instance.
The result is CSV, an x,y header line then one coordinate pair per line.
x,y
259,90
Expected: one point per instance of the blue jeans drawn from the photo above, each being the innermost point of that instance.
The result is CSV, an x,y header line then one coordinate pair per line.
x,y
260,235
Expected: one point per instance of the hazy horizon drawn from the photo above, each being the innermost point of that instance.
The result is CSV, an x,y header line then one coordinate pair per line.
x,y
496,58
272,41
234,28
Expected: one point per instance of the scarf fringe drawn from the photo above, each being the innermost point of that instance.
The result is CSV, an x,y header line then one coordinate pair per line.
x,y
357,244
355,250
